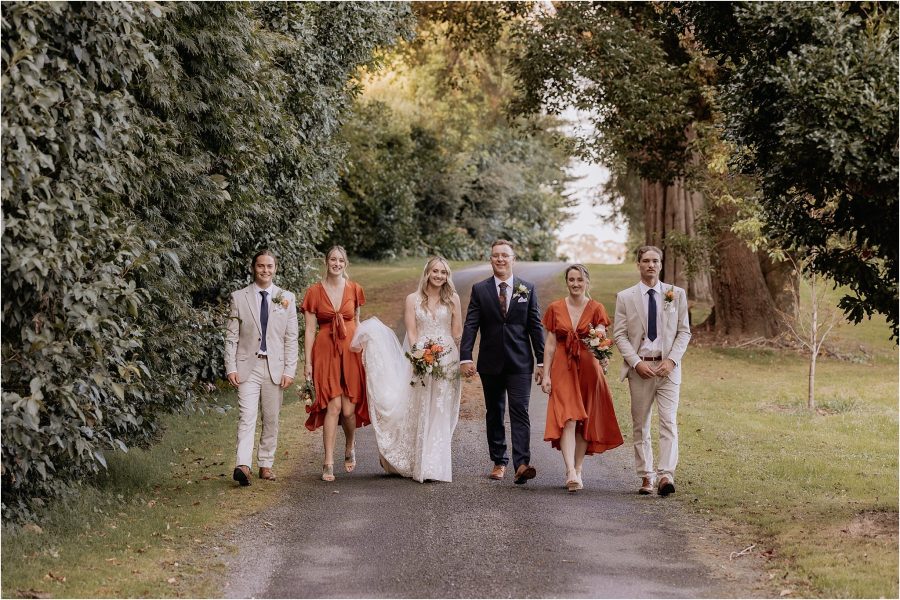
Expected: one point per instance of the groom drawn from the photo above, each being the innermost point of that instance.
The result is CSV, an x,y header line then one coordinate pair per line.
x,y
261,361
651,330
505,309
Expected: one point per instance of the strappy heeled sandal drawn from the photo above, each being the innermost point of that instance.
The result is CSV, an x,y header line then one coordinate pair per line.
x,y
578,478
350,460
572,483
328,472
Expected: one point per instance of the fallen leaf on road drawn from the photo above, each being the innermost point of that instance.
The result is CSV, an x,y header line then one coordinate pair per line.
x,y
170,580
785,592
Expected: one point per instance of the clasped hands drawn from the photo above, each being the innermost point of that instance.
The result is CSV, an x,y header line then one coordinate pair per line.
x,y
285,380
644,369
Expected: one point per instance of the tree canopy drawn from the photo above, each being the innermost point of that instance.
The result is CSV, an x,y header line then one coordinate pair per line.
x,y
810,97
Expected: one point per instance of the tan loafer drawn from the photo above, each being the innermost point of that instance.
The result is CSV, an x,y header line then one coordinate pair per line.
x,y
646,487
242,474
498,472
666,487
266,473
524,473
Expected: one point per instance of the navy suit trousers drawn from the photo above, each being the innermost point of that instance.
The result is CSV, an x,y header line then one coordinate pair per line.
x,y
497,389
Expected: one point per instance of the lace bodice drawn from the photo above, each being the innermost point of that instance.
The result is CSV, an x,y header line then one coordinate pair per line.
x,y
434,325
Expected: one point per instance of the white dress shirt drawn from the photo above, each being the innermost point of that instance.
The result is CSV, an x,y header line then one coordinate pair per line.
x,y
652,349
257,290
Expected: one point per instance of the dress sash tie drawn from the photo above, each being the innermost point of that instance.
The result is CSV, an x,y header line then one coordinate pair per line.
x,y
572,344
338,330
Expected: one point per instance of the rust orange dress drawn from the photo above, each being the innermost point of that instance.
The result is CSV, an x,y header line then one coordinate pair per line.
x,y
336,370
578,388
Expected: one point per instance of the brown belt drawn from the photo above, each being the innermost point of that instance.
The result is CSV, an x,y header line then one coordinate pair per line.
x,y
651,359
265,357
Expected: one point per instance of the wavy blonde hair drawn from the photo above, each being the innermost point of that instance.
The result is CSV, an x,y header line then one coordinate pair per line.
x,y
343,252
447,290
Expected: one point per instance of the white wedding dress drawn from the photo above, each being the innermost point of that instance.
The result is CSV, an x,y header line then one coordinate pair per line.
x,y
413,423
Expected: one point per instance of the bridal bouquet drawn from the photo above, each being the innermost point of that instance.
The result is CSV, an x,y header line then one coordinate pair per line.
x,y
307,393
600,345
424,358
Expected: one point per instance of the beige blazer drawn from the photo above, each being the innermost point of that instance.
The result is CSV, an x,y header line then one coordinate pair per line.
x,y
243,332
630,327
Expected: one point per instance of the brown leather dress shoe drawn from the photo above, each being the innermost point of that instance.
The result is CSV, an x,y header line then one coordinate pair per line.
x,y
242,474
498,472
666,487
646,487
524,473
266,473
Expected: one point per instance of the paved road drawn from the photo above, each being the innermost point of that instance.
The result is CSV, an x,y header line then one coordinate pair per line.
x,y
373,535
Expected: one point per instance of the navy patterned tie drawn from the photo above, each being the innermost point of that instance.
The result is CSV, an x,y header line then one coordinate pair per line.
x,y
651,315
503,299
263,319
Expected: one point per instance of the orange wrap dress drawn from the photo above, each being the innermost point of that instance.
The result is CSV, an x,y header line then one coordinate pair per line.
x,y
578,388
336,370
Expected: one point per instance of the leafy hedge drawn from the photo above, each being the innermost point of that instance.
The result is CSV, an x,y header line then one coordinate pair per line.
x,y
148,150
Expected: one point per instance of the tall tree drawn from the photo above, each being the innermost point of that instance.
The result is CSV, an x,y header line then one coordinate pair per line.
x,y
461,171
650,97
811,102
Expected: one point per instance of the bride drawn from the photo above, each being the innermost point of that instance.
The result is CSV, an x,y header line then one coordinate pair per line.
x,y
414,416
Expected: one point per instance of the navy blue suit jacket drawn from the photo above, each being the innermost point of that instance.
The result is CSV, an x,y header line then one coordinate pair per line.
x,y
508,346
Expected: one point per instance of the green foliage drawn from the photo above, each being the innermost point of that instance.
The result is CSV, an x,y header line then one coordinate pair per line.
x,y
149,150
810,95
459,172
619,64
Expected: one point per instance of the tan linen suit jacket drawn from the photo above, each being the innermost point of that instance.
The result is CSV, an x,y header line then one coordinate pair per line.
x,y
630,327
243,335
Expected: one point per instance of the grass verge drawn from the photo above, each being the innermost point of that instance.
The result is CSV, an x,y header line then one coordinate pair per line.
x,y
153,526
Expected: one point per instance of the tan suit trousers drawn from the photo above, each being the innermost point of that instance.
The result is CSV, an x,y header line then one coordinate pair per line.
x,y
258,390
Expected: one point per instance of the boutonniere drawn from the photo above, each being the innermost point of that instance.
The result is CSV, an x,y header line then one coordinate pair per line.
x,y
280,300
521,291
669,297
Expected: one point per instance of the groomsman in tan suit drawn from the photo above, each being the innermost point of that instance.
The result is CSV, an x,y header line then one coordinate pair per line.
x,y
651,330
261,361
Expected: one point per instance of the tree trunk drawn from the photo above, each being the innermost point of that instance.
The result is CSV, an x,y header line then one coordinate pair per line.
x,y
673,208
783,283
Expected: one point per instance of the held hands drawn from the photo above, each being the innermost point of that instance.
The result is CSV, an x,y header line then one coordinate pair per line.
x,y
468,369
539,375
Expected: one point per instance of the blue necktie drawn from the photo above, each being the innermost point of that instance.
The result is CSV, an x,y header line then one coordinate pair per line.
x,y
651,315
263,319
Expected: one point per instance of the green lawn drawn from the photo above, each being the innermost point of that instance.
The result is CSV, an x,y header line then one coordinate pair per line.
x,y
817,492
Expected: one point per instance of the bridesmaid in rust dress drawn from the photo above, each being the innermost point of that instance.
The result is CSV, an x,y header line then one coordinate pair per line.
x,y
580,415
336,372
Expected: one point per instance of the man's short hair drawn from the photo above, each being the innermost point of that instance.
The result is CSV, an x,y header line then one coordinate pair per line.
x,y
263,252
502,242
643,249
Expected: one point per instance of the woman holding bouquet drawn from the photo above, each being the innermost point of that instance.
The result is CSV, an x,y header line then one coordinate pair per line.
x,y
340,383
414,395
580,416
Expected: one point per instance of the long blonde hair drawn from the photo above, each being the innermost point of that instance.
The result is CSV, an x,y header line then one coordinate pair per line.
x,y
447,290
343,252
